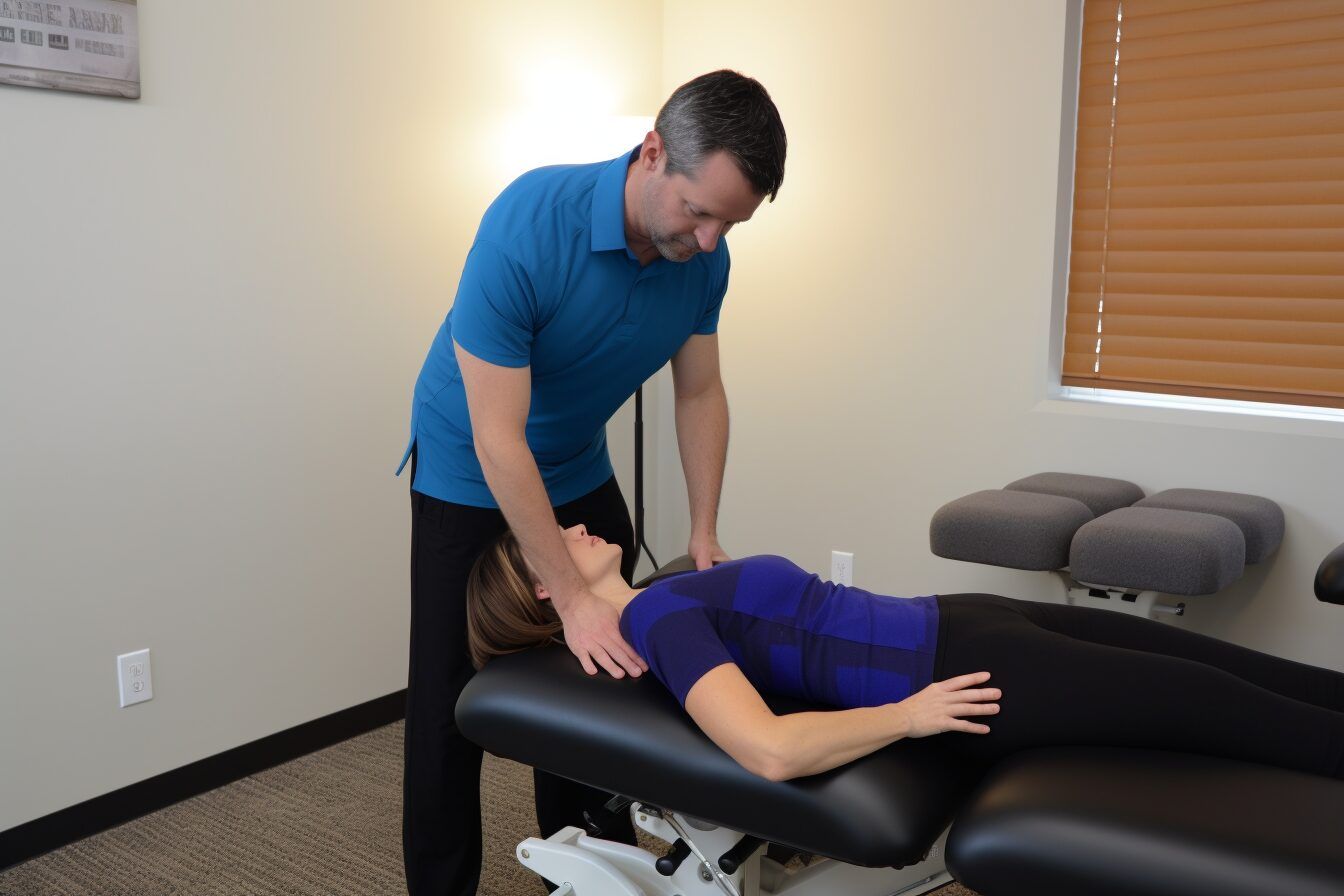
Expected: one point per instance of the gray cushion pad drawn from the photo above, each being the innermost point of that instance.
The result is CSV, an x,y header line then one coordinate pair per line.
x,y
1099,493
1147,548
1022,530
1260,519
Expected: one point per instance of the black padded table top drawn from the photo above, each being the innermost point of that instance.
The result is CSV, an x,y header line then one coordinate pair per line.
x,y
631,737
1126,822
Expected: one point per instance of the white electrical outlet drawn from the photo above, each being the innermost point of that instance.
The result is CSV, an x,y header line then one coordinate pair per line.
x,y
133,677
842,567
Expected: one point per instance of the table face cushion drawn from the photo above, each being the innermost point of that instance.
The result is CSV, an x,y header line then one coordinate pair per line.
x,y
629,736
1020,530
1259,519
1101,494
1147,548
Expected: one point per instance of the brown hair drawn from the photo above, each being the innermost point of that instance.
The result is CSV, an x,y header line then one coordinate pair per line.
x,y
504,614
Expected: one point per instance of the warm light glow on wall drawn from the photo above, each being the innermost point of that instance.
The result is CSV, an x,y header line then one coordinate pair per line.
x,y
567,114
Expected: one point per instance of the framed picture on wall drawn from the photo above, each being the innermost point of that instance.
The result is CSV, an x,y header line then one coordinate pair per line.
x,y
88,46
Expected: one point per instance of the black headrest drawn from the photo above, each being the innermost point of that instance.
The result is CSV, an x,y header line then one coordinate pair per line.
x,y
1330,577
684,563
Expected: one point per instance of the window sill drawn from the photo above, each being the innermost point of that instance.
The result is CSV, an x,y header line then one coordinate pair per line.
x,y
1142,407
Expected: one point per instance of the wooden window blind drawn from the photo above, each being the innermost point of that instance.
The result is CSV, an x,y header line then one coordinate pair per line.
x,y
1207,252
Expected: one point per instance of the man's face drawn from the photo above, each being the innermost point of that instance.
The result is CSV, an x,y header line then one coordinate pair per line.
x,y
685,215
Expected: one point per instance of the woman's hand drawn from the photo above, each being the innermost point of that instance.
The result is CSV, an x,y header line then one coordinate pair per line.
x,y
936,708
593,634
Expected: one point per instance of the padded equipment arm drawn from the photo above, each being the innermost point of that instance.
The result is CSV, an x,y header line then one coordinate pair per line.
x,y
1330,577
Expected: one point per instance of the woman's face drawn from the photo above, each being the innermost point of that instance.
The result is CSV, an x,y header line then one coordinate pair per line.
x,y
593,557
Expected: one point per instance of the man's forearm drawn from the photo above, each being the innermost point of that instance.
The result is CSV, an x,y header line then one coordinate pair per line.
x,y
512,474
808,743
702,437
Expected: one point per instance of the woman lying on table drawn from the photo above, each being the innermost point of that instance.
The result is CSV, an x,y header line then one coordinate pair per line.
x,y
897,667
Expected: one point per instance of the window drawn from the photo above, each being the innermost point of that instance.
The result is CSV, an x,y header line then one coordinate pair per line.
x,y
1207,242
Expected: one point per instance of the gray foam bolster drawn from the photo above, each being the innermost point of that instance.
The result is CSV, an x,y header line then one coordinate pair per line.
x,y
1148,549
1016,529
1260,519
1099,493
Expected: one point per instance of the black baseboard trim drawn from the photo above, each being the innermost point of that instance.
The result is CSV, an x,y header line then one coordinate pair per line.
x,y
62,828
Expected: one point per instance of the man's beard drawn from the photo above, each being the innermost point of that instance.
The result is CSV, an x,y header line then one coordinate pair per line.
x,y
672,248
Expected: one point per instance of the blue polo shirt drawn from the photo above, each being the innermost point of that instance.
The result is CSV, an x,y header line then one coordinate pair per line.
x,y
550,283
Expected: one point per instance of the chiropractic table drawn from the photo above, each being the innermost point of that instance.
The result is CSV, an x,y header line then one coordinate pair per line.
x,y
911,817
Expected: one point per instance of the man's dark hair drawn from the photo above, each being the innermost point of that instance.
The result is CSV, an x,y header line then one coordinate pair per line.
x,y
726,111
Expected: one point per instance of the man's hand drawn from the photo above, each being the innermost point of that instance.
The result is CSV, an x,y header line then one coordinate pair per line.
x,y
593,634
705,551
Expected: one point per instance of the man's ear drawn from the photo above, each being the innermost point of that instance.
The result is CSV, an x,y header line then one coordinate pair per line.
x,y
651,153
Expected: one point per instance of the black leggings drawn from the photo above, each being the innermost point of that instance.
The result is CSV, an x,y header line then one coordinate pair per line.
x,y
1085,676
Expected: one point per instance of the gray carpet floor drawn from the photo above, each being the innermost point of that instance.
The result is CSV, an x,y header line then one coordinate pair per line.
x,y
328,823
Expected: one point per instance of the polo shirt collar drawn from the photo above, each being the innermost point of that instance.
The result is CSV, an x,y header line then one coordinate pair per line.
x,y
609,204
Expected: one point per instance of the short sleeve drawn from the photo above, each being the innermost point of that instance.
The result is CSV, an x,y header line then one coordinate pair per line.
x,y
681,647
709,322
494,313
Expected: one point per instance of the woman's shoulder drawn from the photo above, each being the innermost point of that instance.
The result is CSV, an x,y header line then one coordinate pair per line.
x,y
718,585
753,568
774,563
755,574
763,560
737,563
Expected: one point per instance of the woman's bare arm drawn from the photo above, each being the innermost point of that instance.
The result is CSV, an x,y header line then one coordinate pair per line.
x,y
728,708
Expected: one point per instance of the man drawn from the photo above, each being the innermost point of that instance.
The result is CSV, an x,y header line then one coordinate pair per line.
x,y
582,282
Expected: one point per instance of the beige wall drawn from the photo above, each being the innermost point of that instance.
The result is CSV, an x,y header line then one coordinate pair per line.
x,y
215,302
886,331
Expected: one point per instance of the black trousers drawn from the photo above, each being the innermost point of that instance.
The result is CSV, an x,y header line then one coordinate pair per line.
x,y
441,811
1088,676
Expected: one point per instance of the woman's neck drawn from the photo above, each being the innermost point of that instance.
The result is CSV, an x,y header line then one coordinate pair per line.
x,y
615,591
